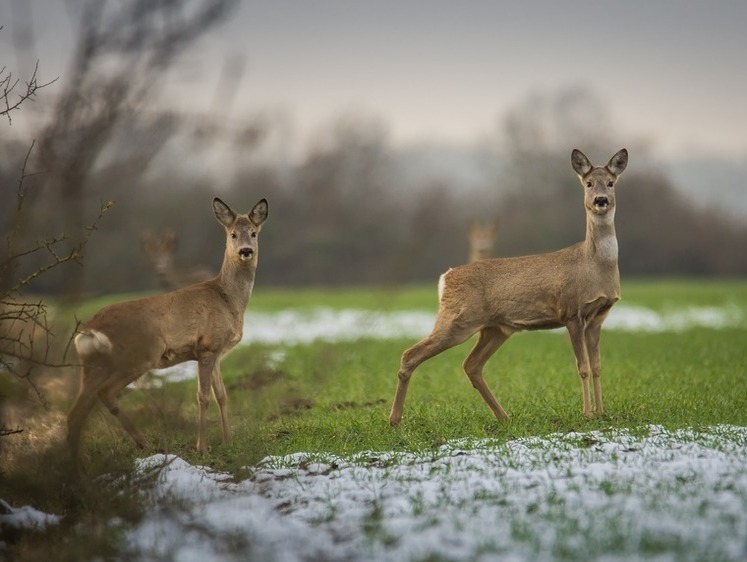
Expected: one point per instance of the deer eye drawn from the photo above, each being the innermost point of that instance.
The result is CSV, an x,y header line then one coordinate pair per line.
x,y
233,236
610,183
589,184
254,234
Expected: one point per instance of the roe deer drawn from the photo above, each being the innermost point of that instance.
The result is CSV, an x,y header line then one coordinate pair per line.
x,y
201,322
161,251
574,287
481,240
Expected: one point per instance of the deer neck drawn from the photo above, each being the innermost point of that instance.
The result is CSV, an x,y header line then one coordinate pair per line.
x,y
237,281
601,239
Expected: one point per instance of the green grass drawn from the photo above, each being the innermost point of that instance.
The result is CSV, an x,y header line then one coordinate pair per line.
x,y
335,397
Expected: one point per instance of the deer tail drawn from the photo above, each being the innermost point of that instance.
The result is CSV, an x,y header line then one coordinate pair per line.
x,y
89,342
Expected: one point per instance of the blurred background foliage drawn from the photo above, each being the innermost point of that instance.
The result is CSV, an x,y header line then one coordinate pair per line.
x,y
350,208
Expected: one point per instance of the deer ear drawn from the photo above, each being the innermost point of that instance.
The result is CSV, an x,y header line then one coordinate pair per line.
x,y
618,162
580,163
223,213
258,214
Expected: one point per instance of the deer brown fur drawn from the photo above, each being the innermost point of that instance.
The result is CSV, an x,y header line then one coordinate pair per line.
x,y
574,287
201,322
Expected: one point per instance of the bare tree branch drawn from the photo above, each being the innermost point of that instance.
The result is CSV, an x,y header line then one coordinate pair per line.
x,y
8,85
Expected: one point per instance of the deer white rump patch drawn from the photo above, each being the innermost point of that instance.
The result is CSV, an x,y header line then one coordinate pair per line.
x,y
92,341
442,285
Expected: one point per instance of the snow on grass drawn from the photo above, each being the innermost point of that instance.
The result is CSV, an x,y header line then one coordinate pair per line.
x,y
294,326
617,495
291,327
25,517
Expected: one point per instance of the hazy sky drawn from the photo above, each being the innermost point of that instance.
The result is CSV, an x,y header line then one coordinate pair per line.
x,y
672,72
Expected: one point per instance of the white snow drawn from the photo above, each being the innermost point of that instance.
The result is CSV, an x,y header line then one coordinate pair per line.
x,y
294,326
664,495
25,517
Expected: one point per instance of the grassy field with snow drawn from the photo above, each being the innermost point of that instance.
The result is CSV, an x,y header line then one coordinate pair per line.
x,y
319,370
314,462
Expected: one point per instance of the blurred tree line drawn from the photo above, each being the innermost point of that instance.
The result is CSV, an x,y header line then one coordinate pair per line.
x,y
345,211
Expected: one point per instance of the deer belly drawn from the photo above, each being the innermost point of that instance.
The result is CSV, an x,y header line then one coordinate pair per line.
x,y
172,357
532,319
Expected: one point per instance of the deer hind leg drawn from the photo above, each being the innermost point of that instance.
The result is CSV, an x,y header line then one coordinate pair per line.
x,y
108,395
441,339
221,398
77,416
205,366
488,342
576,330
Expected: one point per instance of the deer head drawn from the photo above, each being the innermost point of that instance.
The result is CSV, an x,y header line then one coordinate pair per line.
x,y
599,182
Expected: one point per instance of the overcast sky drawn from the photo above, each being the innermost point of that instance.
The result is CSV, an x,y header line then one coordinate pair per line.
x,y
672,72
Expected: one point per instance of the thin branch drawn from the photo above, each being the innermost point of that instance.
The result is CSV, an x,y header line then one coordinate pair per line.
x,y
8,85
5,431
21,192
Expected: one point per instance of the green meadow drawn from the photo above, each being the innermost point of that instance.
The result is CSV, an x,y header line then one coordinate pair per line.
x,y
335,396
674,378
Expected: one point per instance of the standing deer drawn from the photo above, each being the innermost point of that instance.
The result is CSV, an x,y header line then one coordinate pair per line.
x,y
161,251
574,287
202,322
481,240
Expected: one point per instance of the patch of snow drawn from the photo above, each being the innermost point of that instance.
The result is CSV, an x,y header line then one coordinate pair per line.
x,y
650,494
292,326
640,319
25,517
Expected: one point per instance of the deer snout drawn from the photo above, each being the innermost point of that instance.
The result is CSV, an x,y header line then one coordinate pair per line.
x,y
601,201
246,253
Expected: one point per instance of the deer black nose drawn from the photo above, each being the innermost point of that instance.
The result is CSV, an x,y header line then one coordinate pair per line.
x,y
601,201
246,252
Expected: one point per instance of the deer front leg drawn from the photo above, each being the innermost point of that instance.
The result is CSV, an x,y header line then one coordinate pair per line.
x,y
205,366
221,398
578,341
593,336
489,341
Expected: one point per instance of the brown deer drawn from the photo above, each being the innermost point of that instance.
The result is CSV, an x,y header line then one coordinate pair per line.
x,y
574,287
481,240
201,322
161,252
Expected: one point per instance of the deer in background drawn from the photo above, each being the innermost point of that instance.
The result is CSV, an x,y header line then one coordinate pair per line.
x,y
574,287
481,240
161,252
202,322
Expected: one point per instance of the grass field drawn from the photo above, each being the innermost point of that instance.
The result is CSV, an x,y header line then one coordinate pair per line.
x,y
681,371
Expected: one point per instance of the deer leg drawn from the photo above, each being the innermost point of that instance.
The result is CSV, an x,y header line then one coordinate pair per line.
x,y
578,341
221,398
76,418
205,366
439,340
488,342
108,396
593,335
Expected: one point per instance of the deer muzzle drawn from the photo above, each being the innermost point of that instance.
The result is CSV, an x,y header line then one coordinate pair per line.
x,y
601,202
246,253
